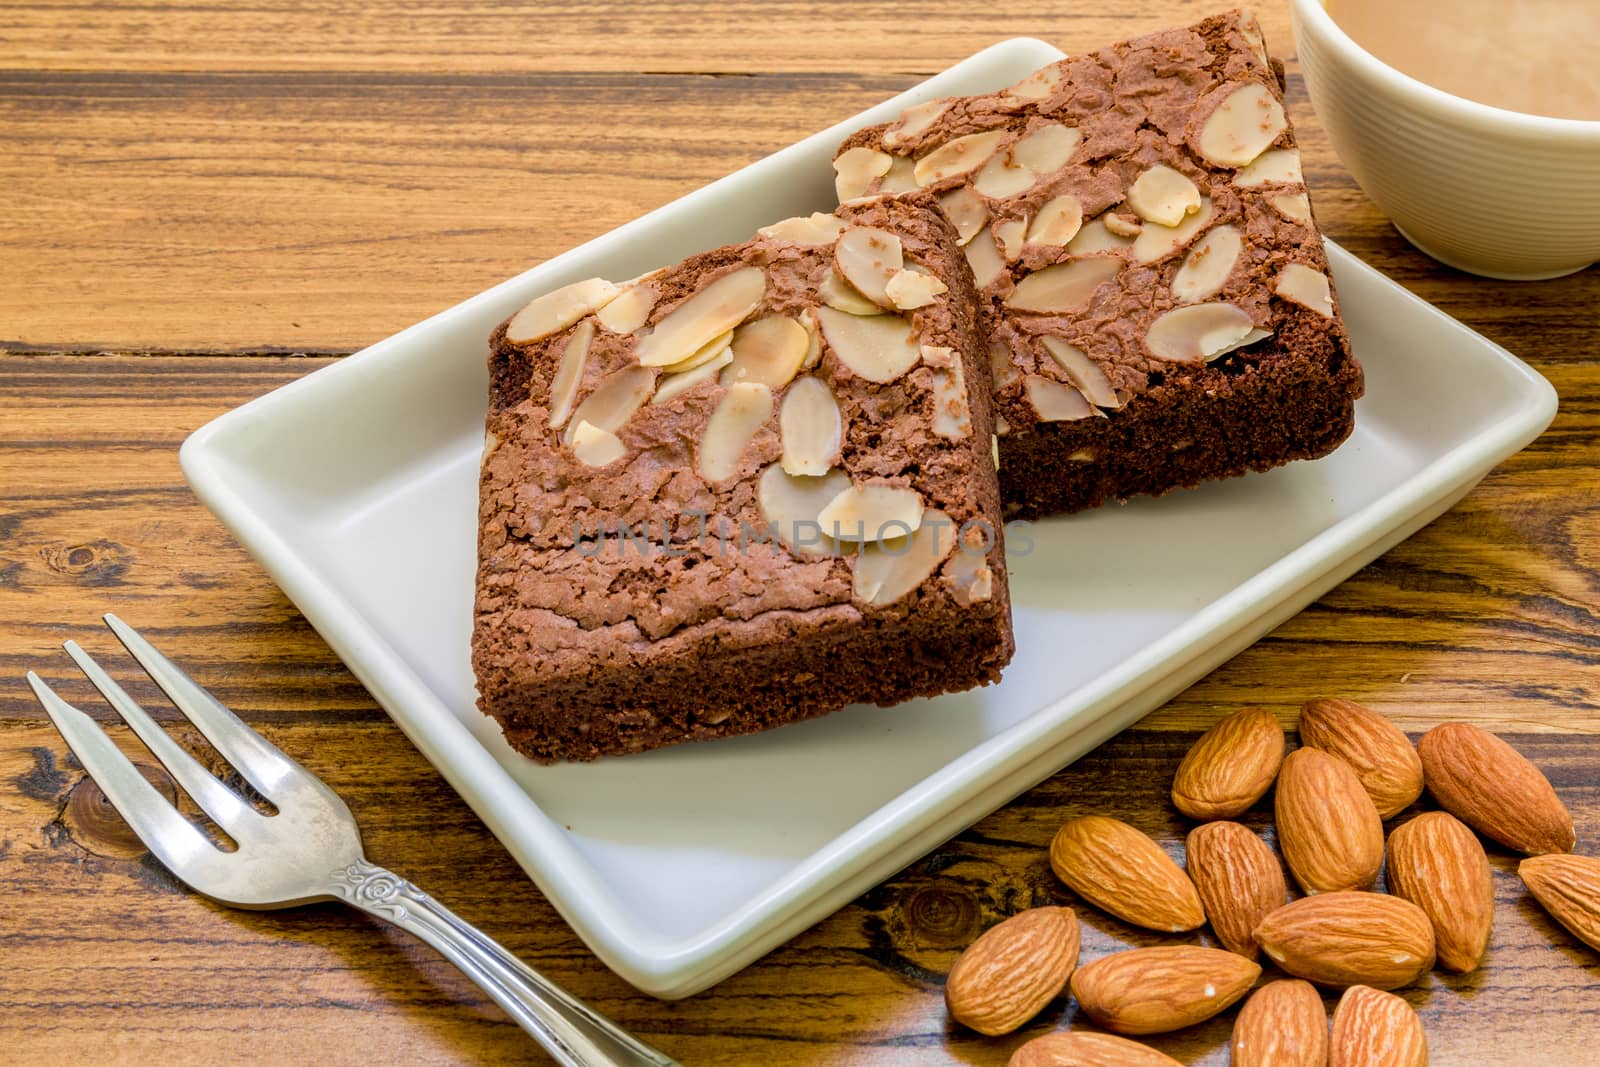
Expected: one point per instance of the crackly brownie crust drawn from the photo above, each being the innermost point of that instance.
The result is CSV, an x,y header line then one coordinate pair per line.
x,y
583,646
1100,411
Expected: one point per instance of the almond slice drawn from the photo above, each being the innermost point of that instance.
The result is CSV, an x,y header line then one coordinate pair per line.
x,y
856,169
879,348
677,384
703,355
1207,266
872,512
889,570
1000,178
1198,333
569,374
1093,237
913,289
842,296
952,419
1085,375
902,177
960,156
628,310
1000,365
984,258
1008,234
1273,165
791,505
1308,288
1242,126
867,258
1156,242
769,351
1296,207
1163,196
1038,85
966,211
1055,402
555,311
1122,225
813,356
1057,222
741,412
811,428
1046,149
1065,286
718,307
915,119
614,400
595,447
809,230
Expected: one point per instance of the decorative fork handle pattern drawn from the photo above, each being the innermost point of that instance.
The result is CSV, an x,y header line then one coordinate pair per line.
x,y
573,1033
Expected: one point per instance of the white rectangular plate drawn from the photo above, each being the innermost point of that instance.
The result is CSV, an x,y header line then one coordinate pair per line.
x,y
356,487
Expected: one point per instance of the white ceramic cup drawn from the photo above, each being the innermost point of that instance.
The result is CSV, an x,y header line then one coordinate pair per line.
x,y
1479,188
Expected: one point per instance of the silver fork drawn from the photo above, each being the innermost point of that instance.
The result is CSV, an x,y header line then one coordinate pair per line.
x,y
309,851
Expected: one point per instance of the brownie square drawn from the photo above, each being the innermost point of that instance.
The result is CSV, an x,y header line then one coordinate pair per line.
x,y
741,491
1152,278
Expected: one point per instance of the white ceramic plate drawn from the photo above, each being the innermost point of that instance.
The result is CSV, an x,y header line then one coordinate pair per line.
x,y
356,488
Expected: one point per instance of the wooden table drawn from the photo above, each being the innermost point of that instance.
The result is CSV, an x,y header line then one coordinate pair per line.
x,y
200,202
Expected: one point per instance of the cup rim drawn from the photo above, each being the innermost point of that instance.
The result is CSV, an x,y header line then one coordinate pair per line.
x,y
1315,14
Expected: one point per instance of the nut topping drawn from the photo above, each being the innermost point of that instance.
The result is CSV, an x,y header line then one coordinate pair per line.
x,y
1005,372
554,312
872,512
1083,373
595,447
888,570
1306,287
1296,207
879,348
856,169
960,156
1198,333
1163,195
811,427
791,506
966,211
629,309
1207,266
1241,127
1009,236
809,230
1047,149
1273,165
1000,178
951,417
614,401
1095,237
1055,402
569,374
914,120
768,351
1057,222
1122,225
718,307
913,289
867,258
984,259
902,177
677,384
968,574
839,294
703,355
1156,242
740,413
1065,286
1038,85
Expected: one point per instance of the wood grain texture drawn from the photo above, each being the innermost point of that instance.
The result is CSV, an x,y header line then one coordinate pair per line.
x,y
204,191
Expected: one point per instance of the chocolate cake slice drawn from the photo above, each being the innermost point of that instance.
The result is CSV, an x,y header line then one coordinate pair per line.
x,y
1153,282
745,490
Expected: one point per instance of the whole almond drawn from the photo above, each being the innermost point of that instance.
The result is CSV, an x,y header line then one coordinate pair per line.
x,y
1328,829
1283,1024
1492,788
1376,1029
1231,767
1013,970
1119,868
1438,864
1380,753
1350,938
1569,889
1153,990
1239,880
1085,1048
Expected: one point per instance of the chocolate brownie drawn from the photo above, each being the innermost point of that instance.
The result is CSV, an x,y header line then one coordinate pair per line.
x,y
745,490
1153,282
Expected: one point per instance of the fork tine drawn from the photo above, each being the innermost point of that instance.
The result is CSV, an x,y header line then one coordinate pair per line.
x,y
173,839
259,760
224,806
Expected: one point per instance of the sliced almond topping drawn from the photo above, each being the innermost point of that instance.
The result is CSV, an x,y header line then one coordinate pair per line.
x,y
879,348
1273,165
952,419
889,570
902,177
739,414
1306,287
842,296
856,169
702,355
1206,268
1055,402
554,312
1065,286
677,384
813,356
872,512
1200,332
1163,195
960,156
629,309
1156,242
718,307
968,575
569,374
1296,207
811,427
913,289
809,230
1122,225
1000,178
768,351
985,259
1047,149
791,505
966,211
1094,237
1038,85
1009,235
1005,372
1057,222
614,400
914,120
1243,126
1083,372
1250,30
868,258
595,447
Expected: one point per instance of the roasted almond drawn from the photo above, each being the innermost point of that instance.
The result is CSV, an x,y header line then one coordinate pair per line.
x,y
1438,864
1153,990
1231,767
1350,938
1376,1029
1013,970
1492,788
1085,1048
1328,830
1283,1024
1119,868
1382,756
1239,880
1569,888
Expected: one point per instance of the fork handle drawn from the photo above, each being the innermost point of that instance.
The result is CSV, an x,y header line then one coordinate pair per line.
x,y
575,1034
